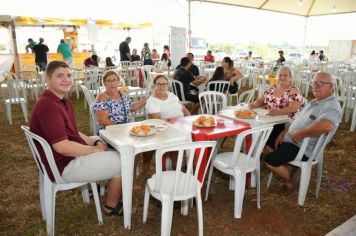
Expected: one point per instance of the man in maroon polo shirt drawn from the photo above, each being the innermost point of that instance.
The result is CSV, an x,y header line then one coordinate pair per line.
x,y
78,157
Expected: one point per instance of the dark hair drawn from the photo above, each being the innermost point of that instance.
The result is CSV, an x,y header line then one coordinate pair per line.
x,y
218,73
166,47
30,40
312,52
159,76
62,41
250,52
164,57
53,65
184,61
280,51
108,62
321,51
209,51
94,57
229,61
191,54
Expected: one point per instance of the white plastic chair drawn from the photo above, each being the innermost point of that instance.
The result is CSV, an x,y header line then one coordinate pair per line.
x,y
48,189
125,64
90,98
211,102
237,164
353,121
316,158
137,95
178,185
247,96
178,90
15,94
218,86
32,82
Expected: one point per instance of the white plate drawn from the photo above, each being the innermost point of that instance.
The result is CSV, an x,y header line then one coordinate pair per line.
x,y
202,126
151,132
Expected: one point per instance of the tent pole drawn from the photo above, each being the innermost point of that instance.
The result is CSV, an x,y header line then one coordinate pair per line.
x,y
305,34
189,26
11,29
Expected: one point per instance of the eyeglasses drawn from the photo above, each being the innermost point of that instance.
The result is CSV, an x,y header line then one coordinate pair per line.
x,y
163,85
319,84
112,81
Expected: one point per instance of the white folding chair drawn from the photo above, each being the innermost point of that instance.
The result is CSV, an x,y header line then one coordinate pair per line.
x,y
211,102
178,90
125,64
316,158
137,95
218,86
15,94
32,82
247,96
237,164
90,99
48,188
180,184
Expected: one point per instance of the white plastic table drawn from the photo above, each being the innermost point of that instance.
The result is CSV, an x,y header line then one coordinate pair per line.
x,y
128,146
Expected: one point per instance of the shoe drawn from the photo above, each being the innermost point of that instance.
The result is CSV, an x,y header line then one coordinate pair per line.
x,y
115,211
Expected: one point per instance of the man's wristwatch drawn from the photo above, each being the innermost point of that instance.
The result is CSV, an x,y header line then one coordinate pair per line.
x,y
96,142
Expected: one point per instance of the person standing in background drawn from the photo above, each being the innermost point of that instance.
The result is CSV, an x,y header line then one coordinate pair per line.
x,y
155,56
30,45
125,50
41,50
146,55
67,54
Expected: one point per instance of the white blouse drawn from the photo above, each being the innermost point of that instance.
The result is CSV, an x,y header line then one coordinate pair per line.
x,y
169,108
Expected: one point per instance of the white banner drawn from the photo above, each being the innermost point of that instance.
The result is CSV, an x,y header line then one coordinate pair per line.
x,y
178,45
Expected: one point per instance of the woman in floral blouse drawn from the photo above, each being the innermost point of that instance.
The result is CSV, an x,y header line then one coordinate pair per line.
x,y
282,98
112,106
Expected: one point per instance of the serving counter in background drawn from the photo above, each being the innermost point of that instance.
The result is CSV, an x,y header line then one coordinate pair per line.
x,y
29,58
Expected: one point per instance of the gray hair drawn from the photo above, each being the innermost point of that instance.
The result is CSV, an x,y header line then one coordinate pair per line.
x,y
324,74
285,68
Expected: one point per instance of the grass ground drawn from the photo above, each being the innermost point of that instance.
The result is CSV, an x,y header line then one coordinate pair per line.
x,y
280,214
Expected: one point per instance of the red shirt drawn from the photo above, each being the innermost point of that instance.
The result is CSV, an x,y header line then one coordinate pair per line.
x,y
54,120
209,58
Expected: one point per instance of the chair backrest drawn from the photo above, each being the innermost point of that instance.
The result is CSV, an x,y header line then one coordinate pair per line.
x,y
247,96
195,152
259,136
90,99
136,95
136,63
16,88
92,78
320,145
42,147
211,102
219,86
125,64
178,89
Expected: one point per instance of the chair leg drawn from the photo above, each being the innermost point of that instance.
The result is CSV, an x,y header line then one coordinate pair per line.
x,y
304,183
24,110
240,183
8,112
145,204
50,202
102,187
42,197
184,207
318,181
353,121
199,212
258,182
97,202
269,179
208,183
85,194
167,214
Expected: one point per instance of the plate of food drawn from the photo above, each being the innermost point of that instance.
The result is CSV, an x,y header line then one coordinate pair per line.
x,y
142,130
205,121
245,114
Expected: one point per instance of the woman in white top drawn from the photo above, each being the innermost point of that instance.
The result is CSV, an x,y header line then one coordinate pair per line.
x,y
162,105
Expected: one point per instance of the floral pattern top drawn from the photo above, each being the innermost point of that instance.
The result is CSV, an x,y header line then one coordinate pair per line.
x,y
271,101
118,109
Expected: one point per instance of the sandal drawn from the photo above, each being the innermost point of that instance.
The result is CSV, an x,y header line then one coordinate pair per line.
x,y
115,211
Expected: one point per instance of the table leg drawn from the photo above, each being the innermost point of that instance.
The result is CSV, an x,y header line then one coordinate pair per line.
x,y
127,169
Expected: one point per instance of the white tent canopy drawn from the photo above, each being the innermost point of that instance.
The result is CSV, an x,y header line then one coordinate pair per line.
x,y
295,7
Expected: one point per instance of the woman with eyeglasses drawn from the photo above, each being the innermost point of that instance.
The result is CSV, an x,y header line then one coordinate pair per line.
x,y
113,106
162,104
283,98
